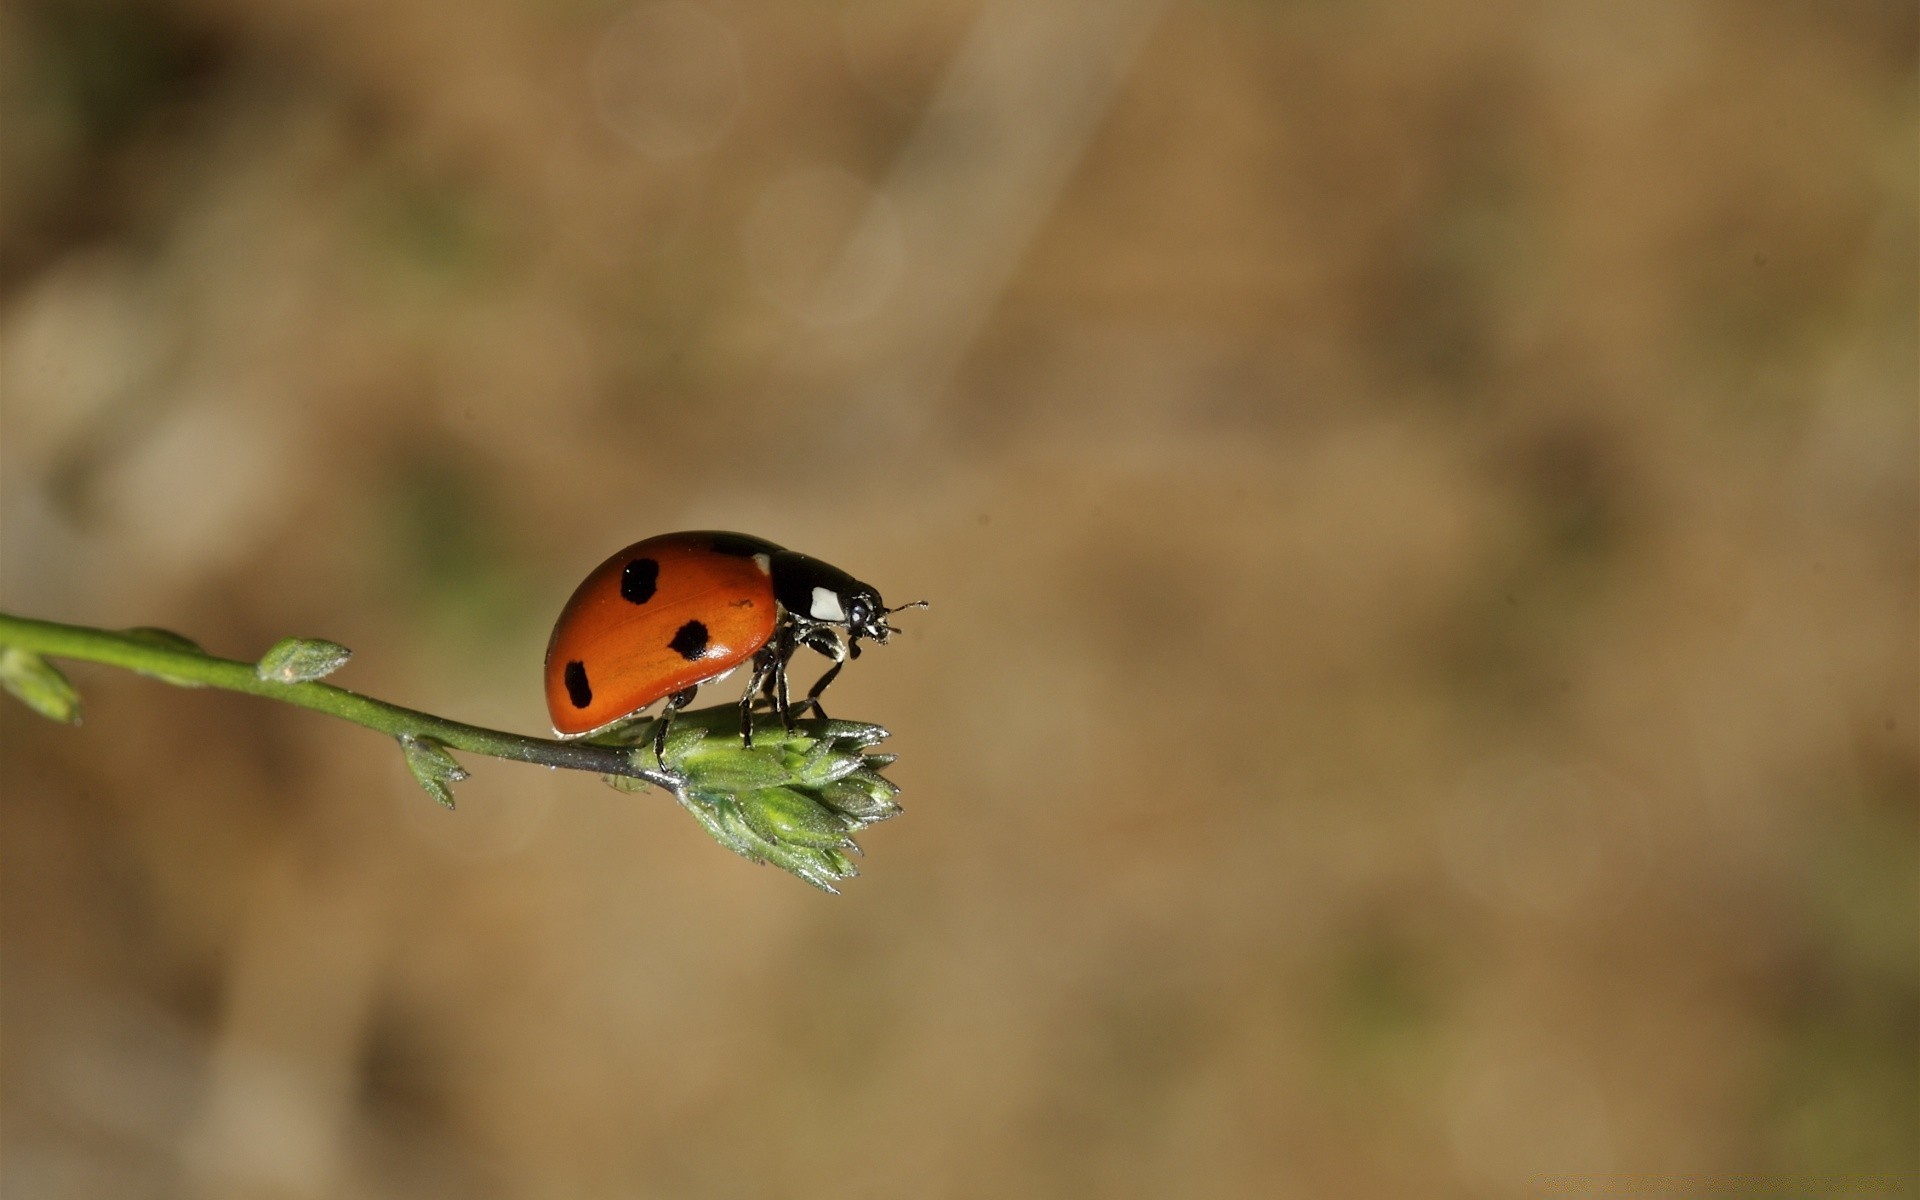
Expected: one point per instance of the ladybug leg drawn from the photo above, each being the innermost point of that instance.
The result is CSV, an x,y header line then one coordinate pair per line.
x,y
675,703
778,652
790,639
761,681
780,684
823,641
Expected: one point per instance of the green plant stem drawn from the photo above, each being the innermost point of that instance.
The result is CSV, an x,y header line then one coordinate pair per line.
x,y
180,665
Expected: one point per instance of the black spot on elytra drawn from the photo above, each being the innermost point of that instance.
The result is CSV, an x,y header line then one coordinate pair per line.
x,y
578,690
690,641
639,579
737,546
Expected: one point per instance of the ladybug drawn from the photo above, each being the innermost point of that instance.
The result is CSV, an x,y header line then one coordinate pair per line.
x,y
667,614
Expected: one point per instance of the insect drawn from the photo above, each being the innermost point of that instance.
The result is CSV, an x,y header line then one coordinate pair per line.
x,y
667,614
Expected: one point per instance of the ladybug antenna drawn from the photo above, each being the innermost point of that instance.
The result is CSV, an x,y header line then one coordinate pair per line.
x,y
905,607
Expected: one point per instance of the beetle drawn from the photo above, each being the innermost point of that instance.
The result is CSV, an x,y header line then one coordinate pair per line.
x,y
670,613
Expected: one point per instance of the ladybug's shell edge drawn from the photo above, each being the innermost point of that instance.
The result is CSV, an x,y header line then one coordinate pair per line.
x,y
691,616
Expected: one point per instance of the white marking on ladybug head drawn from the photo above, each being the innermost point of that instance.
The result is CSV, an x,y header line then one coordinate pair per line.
x,y
764,562
826,606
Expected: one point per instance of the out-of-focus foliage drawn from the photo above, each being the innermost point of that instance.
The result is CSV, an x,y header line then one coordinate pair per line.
x,y
1419,505
39,685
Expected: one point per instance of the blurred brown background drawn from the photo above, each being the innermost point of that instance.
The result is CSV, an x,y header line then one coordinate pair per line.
x,y
1419,503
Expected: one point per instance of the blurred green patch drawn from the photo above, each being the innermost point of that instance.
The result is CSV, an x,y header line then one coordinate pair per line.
x,y
98,96
1382,1011
449,557
431,236
1845,1101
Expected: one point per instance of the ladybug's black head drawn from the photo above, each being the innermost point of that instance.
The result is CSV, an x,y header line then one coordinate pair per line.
x,y
826,595
867,615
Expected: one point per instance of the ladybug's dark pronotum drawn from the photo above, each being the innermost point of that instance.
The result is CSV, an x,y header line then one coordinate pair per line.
x,y
665,615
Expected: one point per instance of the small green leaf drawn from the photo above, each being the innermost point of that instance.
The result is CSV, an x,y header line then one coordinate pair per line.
x,y
430,763
824,764
681,741
298,660
866,799
733,769
39,685
707,812
741,836
821,868
784,815
857,734
166,639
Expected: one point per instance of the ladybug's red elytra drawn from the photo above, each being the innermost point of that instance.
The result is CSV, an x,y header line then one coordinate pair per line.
x,y
667,614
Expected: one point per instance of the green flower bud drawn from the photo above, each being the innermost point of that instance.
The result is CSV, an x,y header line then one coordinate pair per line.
x,y
794,800
39,685
432,766
298,660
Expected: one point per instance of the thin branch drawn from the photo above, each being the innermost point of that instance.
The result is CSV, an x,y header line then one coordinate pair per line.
x,y
175,660
794,798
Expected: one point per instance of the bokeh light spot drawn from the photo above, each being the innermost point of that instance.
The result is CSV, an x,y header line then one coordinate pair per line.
x,y
667,78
